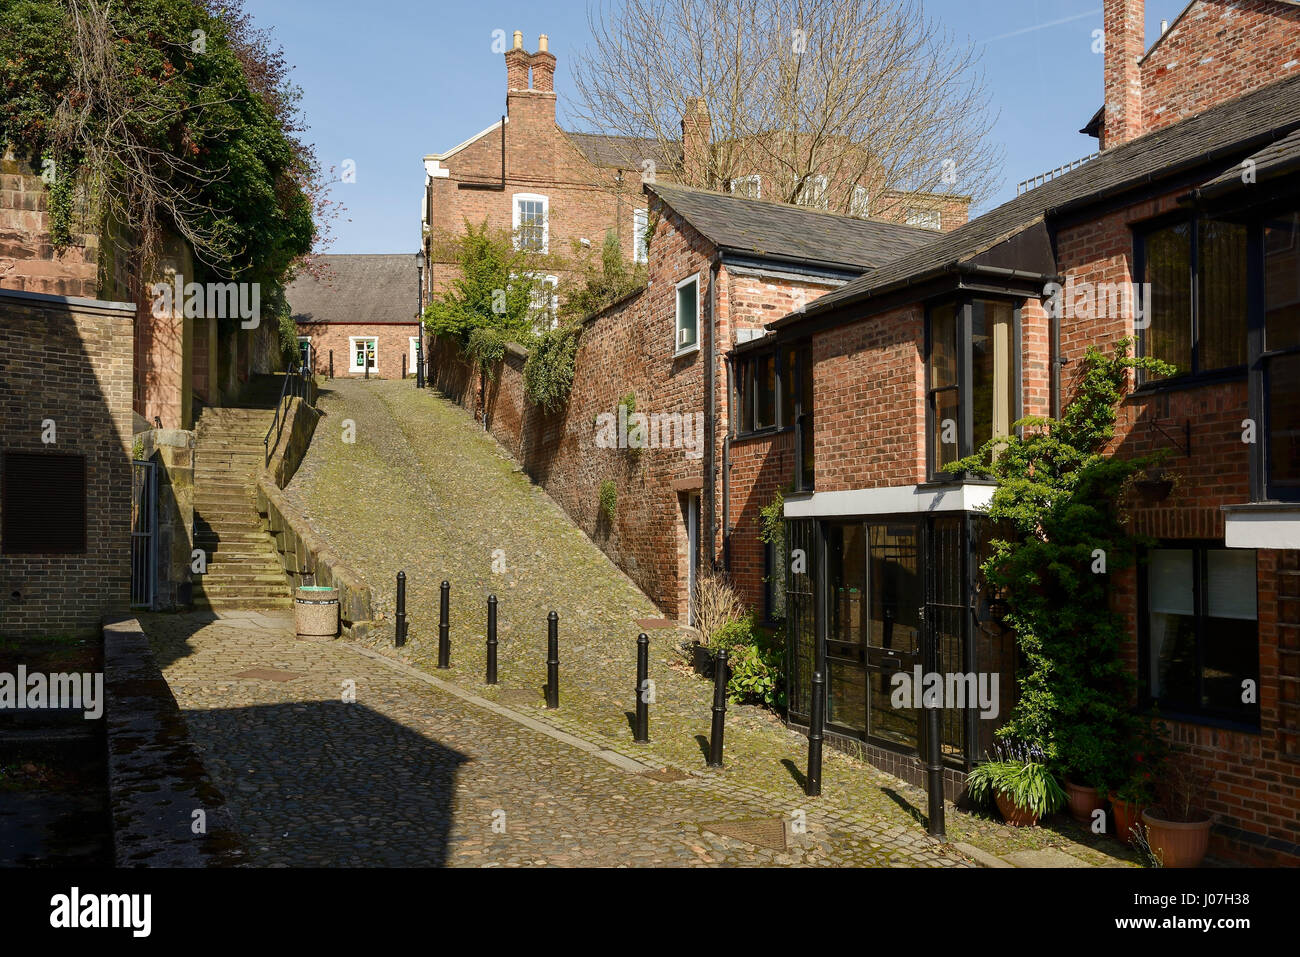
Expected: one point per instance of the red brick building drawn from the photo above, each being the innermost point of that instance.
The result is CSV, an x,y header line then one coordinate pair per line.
x,y
561,191
1197,192
363,310
720,266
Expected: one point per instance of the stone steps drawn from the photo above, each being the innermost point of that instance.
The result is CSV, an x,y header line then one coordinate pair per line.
x,y
243,570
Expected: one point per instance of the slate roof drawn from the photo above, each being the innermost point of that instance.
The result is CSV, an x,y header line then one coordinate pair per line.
x,y
1273,160
626,152
361,288
1250,122
780,231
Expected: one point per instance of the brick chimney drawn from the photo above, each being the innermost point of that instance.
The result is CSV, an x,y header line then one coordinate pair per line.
x,y
1125,43
543,66
517,65
696,138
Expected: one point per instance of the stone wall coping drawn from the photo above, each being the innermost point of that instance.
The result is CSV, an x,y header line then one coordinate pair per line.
x,y
72,303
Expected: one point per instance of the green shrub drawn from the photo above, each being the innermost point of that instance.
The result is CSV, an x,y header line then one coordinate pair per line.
x,y
608,498
486,347
548,373
755,657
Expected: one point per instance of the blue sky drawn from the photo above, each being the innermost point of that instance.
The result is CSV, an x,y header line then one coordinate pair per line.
x,y
388,81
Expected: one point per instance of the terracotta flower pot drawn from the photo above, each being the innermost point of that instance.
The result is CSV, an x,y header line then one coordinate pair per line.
x,y
1125,815
1014,814
1083,801
1178,843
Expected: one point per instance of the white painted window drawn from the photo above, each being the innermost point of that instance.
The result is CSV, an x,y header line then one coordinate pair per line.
x,y
640,223
688,315
748,186
415,355
543,301
861,203
531,222
925,218
363,349
813,192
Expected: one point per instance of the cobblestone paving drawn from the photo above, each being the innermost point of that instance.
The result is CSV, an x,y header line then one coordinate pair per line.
x,y
409,775
423,489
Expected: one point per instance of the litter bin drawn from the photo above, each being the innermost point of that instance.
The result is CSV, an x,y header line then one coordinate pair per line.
x,y
316,611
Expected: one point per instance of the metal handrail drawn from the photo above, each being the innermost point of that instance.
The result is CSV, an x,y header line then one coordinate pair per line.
x,y
297,385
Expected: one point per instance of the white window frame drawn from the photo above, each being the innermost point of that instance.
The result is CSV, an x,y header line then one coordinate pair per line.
x,y
352,353
925,218
640,223
546,218
411,366
679,350
548,310
861,203
754,178
814,192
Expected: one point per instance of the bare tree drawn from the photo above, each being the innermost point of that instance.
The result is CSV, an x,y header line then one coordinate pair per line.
x,y
866,93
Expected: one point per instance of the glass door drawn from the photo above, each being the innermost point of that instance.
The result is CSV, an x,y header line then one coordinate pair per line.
x,y
894,626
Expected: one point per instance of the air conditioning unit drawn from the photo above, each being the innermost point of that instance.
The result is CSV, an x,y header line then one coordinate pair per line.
x,y
683,336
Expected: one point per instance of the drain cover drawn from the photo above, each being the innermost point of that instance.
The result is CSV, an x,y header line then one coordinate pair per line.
x,y
269,674
665,775
649,624
765,832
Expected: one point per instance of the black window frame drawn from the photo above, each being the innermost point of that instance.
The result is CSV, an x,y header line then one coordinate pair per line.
x,y
1195,375
798,420
965,414
1208,717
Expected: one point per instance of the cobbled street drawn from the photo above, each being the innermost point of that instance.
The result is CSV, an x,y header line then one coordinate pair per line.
x,y
433,766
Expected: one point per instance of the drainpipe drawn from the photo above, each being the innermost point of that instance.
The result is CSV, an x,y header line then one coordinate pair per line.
x,y
709,384
726,478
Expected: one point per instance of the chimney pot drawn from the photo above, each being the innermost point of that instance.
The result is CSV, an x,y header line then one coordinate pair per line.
x,y
519,39
1164,27
543,44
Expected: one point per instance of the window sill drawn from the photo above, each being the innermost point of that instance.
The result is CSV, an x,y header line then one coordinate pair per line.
x,y
767,432
1189,381
688,351
1203,720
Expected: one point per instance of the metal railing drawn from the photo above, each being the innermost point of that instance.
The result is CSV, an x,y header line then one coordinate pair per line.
x,y
299,383
1035,181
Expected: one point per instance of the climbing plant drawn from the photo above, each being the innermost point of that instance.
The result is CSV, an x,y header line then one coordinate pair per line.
x,y
1062,535
549,369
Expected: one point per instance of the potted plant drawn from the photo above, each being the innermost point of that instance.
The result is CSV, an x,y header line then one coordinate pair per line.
x,y
1018,781
1145,768
1177,828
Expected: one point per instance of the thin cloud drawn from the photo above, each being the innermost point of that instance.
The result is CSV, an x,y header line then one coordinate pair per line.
x,y
1043,26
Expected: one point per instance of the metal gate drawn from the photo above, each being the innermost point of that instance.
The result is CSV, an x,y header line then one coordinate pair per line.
x,y
144,534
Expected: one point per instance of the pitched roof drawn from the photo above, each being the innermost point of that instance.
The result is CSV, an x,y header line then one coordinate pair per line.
x,y
1249,122
780,231
381,287
626,152
1279,157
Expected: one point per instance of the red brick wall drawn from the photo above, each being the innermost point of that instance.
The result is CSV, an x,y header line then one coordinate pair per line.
x,y
869,402
1218,51
394,346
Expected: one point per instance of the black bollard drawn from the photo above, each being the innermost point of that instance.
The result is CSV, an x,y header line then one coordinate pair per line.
x,y
492,640
642,735
719,708
401,609
444,626
813,786
403,367
934,773
419,362
331,363
552,660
